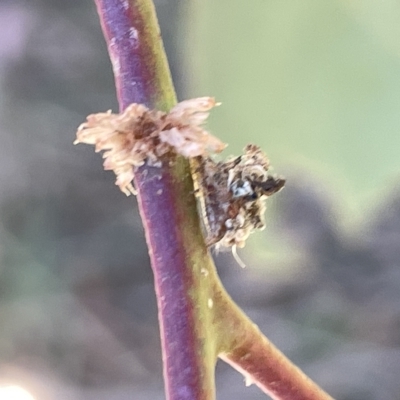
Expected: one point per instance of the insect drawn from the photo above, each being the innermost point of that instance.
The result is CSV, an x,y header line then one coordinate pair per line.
x,y
232,196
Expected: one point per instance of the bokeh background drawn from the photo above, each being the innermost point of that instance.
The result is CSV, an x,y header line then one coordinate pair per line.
x,y
315,83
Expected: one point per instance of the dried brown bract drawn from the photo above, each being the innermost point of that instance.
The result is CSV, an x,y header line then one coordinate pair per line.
x,y
232,196
140,135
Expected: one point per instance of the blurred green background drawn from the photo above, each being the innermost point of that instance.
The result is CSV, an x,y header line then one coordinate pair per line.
x,y
315,83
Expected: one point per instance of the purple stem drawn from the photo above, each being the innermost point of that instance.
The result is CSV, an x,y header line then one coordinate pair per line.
x,y
135,63
166,201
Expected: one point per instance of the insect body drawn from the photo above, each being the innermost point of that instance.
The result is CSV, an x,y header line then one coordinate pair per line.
x,y
232,196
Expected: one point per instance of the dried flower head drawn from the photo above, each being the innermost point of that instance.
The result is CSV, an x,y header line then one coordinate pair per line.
x,y
140,135
232,195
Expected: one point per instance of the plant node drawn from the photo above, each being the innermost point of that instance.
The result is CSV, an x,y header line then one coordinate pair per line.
x,y
139,135
232,194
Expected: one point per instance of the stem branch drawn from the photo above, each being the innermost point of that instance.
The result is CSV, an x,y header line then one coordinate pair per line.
x,y
247,350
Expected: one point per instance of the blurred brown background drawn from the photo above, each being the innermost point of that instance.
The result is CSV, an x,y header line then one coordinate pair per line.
x,y
316,83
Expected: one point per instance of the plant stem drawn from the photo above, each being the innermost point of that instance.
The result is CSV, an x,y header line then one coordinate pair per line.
x,y
246,349
137,54
167,206
198,319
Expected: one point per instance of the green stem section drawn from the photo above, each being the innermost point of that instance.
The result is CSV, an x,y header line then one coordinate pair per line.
x,y
246,349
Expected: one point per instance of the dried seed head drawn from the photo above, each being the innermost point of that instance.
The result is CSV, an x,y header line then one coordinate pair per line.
x,y
140,135
232,196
